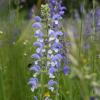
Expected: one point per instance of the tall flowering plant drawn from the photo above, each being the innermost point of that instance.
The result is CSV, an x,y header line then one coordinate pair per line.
x,y
49,56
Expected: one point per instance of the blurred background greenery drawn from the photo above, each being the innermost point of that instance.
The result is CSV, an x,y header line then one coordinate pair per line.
x,y
16,39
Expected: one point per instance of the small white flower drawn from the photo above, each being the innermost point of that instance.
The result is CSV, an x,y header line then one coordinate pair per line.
x,y
52,56
1,32
35,75
51,38
38,50
56,22
43,50
51,76
53,63
36,62
56,50
51,32
51,88
32,89
56,62
40,40
49,51
25,54
25,42
57,40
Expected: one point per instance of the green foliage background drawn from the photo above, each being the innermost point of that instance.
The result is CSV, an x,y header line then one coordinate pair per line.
x,y
16,39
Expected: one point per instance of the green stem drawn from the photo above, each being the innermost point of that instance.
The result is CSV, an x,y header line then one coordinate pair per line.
x,y
93,37
2,96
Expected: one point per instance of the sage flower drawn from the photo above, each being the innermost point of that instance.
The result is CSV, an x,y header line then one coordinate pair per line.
x,y
34,83
66,70
51,84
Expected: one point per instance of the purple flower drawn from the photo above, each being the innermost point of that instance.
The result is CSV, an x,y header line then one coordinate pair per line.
x,y
53,1
52,83
57,46
97,19
62,8
38,34
34,83
35,97
38,44
37,25
94,98
37,19
39,50
58,64
36,56
98,12
49,47
88,25
51,32
54,58
82,8
59,33
52,70
56,17
61,12
57,57
86,46
47,98
35,68
66,70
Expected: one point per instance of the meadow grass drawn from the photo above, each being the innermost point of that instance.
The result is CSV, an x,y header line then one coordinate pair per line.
x,y
15,54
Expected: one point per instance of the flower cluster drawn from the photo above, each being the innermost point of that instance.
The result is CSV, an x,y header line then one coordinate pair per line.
x,y
36,68
49,53
55,42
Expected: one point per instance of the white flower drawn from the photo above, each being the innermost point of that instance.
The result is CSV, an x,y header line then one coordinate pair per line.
x,y
53,63
32,89
36,62
35,75
25,42
38,50
51,32
51,88
1,32
52,56
49,51
56,62
57,40
51,75
43,50
56,22
25,54
56,50
51,38
40,39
